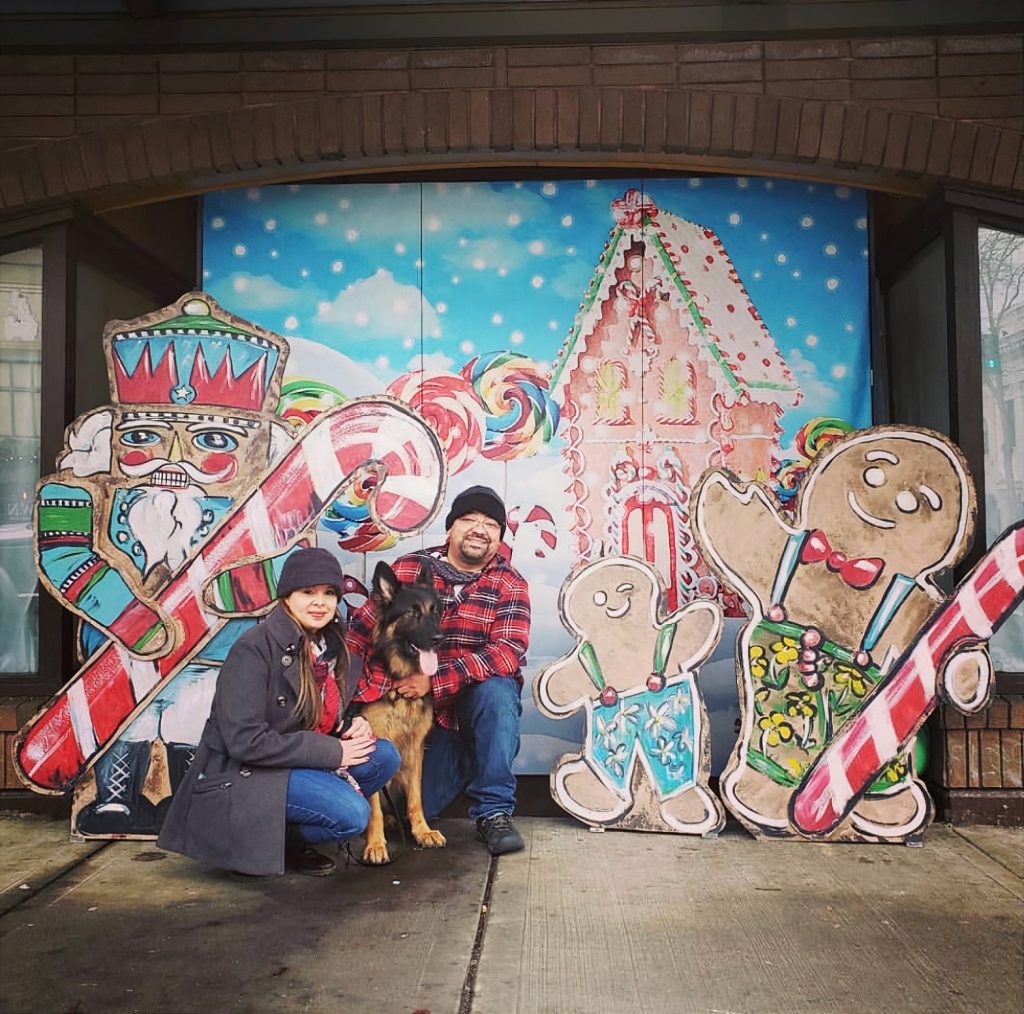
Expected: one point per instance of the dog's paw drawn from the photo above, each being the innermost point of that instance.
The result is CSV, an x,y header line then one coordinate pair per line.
x,y
376,853
430,839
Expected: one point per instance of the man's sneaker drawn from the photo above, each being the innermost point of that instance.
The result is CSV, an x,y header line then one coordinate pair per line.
x,y
499,834
303,859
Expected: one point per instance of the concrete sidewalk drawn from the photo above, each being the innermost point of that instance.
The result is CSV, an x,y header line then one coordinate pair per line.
x,y
598,923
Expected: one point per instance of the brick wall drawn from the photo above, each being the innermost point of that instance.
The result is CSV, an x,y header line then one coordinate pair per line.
x,y
978,760
975,78
14,713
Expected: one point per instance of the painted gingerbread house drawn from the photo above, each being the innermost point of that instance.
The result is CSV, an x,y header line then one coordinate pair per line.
x,y
668,369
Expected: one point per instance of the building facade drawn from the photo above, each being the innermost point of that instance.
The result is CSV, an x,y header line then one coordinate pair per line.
x,y
110,134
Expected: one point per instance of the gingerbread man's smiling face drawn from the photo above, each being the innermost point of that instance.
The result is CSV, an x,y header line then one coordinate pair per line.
x,y
617,592
903,498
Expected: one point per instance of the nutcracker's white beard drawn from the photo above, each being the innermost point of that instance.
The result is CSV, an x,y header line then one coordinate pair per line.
x,y
164,521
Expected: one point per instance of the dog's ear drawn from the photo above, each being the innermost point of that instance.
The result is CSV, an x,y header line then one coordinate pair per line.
x,y
385,584
426,576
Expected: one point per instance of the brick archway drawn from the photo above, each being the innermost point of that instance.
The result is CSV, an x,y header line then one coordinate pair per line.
x,y
660,129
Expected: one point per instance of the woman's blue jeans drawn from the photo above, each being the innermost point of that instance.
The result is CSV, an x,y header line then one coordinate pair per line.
x,y
324,807
478,757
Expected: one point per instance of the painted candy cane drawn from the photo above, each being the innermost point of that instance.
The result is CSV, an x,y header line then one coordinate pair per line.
x,y
374,434
852,761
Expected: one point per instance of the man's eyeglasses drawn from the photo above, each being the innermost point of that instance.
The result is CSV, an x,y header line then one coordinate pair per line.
x,y
489,525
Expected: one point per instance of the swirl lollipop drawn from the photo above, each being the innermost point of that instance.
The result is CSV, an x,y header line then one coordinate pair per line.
x,y
522,416
817,434
451,407
787,480
302,400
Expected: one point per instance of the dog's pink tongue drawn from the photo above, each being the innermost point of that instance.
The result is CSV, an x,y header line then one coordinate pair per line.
x,y
428,662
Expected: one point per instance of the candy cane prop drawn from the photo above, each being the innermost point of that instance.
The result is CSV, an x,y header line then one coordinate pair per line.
x,y
852,761
374,434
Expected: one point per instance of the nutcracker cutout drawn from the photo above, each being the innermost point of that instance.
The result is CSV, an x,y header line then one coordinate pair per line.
x,y
851,642
164,530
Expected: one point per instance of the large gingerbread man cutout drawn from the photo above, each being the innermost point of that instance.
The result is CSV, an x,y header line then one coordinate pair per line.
x,y
836,596
647,755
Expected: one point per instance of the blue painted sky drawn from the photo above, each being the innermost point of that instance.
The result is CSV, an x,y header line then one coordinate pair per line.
x,y
393,275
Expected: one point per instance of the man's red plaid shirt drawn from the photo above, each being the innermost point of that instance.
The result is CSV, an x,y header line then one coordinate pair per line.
x,y
486,627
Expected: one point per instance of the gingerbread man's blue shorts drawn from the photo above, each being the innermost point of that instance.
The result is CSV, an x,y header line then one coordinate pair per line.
x,y
661,724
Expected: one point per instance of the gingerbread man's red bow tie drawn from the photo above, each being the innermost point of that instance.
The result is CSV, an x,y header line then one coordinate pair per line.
x,y
858,572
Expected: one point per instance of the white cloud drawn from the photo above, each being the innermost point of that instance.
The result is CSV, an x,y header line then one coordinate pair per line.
x,y
313,360
259,292
433,362
486,254
384,307
818,392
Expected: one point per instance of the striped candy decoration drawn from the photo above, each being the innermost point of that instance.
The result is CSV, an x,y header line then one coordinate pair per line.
x,y
377,435
852,761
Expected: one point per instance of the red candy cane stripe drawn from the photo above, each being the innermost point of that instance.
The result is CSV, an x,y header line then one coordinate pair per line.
x,y
852,761
378,434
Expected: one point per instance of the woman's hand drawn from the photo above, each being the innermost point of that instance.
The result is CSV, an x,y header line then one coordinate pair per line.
x,y
414,687
357,747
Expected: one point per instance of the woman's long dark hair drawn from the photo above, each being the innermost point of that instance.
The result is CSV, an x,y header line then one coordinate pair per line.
x,y
309,708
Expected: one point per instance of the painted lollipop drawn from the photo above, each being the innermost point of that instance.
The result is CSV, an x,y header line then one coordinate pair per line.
x,y
539,517
817,434
302,400
522,416
787,480
451,406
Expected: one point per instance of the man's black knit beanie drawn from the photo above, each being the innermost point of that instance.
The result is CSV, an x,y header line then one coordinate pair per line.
x,y
481,499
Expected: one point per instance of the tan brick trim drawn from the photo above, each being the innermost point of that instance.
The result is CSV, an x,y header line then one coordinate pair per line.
x,y
666,129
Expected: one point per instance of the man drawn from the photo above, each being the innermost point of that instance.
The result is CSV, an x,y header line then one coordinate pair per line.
x,y
486,627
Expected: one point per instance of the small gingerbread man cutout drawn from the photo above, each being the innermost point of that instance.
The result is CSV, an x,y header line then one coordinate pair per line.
x,y
836,597
646,759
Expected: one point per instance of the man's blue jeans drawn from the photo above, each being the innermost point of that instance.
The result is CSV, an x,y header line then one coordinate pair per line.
x,y
324,807
478,757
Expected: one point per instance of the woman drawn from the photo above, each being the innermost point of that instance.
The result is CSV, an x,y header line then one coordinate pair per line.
x,y
275,750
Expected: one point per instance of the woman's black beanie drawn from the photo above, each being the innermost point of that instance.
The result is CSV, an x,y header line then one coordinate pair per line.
x,y
306,568
482,499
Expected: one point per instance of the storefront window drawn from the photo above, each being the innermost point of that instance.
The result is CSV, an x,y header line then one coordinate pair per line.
x,y
20,350
1001,277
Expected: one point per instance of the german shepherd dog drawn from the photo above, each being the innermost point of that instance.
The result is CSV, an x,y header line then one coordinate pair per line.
x,y
405,639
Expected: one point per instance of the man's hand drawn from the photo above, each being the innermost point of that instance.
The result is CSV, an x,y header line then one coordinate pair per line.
x,y
359,726
414,687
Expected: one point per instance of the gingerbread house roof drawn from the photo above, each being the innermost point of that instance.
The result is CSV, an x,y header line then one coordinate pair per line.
x,y
703,286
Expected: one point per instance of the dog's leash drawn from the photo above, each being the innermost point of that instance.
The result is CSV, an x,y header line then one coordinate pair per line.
x,y
351,856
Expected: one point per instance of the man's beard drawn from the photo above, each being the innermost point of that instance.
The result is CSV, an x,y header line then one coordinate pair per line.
x,y
164,522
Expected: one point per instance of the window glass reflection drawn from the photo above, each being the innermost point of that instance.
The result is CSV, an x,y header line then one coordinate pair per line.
x,y
1001,284
21,303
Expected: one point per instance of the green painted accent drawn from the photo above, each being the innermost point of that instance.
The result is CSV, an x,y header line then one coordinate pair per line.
x,y
844,655
776,772
179,324
312,387
677,281
663,648
270,577
734,381
590,663
61,518
100,573
147,636
921,749
225,591
588,301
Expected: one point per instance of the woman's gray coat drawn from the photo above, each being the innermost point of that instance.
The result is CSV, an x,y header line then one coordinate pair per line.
x,y
230,808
